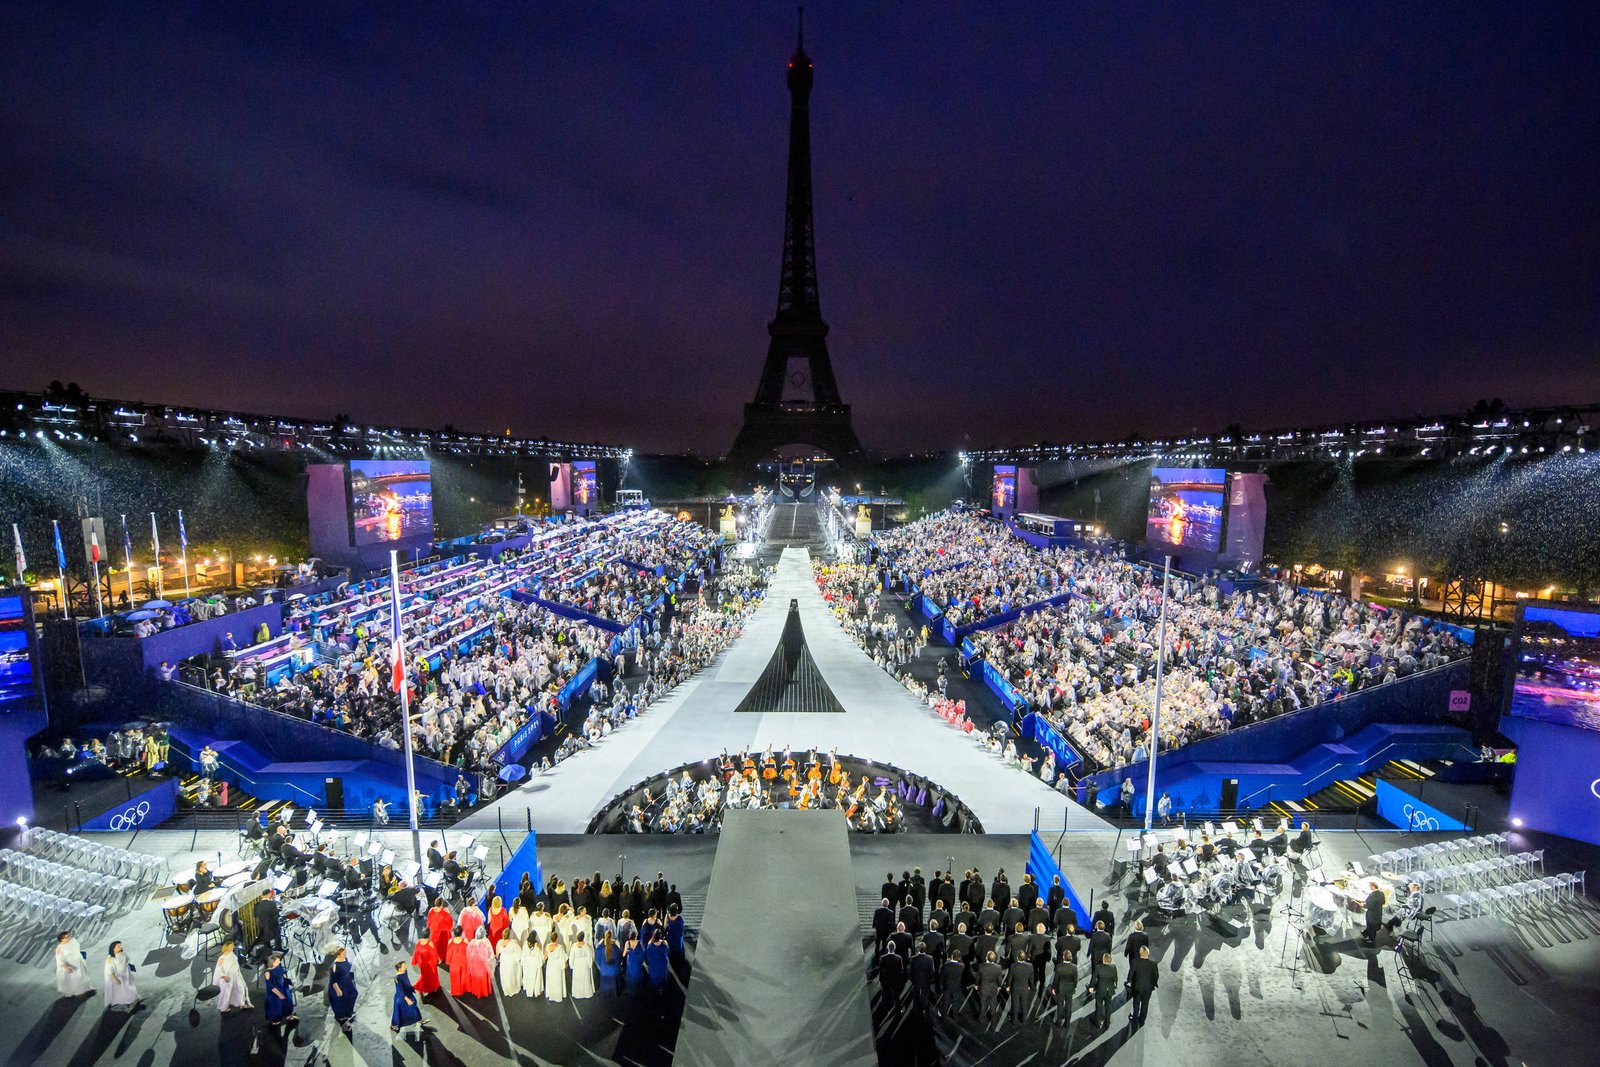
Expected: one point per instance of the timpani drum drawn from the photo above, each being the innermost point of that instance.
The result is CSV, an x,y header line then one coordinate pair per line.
x,y
207,902
177,910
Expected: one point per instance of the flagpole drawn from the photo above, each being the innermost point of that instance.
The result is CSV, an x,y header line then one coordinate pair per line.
x,y
22,560
61,570
405,703
94,540
183,539
1155,717
155,541
127,557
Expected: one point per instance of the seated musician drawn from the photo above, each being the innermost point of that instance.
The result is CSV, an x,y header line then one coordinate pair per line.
x,y
1160,860
1303,841
1170,896
353,878
254,831
1258,845
1227,846
1208,851
203,879
454,872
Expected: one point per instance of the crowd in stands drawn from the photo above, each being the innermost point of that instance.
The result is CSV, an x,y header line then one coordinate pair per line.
x,y
468,708
622,587
697,632
1233,659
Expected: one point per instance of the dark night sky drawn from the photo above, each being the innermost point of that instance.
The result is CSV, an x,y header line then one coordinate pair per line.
x,y
1032,222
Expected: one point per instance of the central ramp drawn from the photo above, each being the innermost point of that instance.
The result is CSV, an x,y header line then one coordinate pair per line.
x,y
779,970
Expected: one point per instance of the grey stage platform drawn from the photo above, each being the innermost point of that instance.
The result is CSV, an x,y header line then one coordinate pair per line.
x,y
882,722
779,974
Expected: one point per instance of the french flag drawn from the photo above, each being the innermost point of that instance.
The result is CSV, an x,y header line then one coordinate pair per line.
x,y
94,545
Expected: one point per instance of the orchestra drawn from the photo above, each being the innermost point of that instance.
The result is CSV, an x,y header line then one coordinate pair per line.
x,y
693,800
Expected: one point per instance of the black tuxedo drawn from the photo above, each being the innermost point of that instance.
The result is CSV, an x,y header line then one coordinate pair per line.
x,y
935,942
1054,897
882,927
1027,895
1143,977
924,969
1099,945
902,943
912,918
1137,939
1020,982
1104,916
952,983
891,892
990,977
1039,916
891,977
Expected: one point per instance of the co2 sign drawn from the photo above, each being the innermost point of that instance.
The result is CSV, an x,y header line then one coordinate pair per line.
x,y
1460,701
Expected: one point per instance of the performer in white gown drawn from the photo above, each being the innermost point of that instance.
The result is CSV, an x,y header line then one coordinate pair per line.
x,y
519,922
510,954
555,973
231,989
564,926
532,968
120,990
582,969
72,971
540,922
583,926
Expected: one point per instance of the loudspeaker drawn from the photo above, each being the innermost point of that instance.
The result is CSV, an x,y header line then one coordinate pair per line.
x,y
1223,926
333,793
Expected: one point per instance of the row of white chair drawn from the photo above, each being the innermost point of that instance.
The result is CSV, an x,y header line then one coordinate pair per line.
x,y
20,904
1496,900
93,856
1481,874
1439,853
75,882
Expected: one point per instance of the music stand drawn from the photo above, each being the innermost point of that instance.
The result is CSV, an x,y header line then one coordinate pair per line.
x,y
282,883
387,858
480,853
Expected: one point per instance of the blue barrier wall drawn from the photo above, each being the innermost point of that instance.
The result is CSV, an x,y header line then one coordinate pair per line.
x,y
1399,808
525,860
144,810
1044,868
1039,730
282,740
1557,785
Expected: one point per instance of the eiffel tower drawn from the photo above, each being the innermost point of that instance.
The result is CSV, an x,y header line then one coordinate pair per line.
x,y
798,400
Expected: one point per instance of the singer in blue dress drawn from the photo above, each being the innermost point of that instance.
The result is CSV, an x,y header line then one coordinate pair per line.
x,y
279,1002
407,1010
342,990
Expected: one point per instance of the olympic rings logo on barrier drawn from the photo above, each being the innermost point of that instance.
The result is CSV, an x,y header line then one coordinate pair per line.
x,y
132,817
1594,787
1418,819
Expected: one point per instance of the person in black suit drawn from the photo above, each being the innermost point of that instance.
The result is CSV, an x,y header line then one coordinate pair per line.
x,y
1143,977
1039,952
1016,944
353,878
919,888
1039,915
1103,984
990,915
974,892
1099,940
1103,915
1000,889
924,969
1303,841
1137,942
1027,893
1019,982
1373,910
901,940
952,984
891,978
959,944
1055,897
911,915
1013,915
1068,941
882,926
435,857
934,939
986,942
1065,987
891,890
991,976
939,914
947,893
269,931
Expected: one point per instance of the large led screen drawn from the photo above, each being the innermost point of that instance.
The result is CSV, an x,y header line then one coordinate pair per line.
x,y
1557,671
1186,507
585,486
1003,491
390,500
17,692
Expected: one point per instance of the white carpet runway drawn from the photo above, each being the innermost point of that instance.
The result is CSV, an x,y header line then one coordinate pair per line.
x,y
882,722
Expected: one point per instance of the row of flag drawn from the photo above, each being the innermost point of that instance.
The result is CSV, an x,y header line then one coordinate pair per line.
x,y
21,555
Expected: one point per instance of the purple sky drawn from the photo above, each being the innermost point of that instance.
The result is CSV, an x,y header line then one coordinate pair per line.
x,y
1031,221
